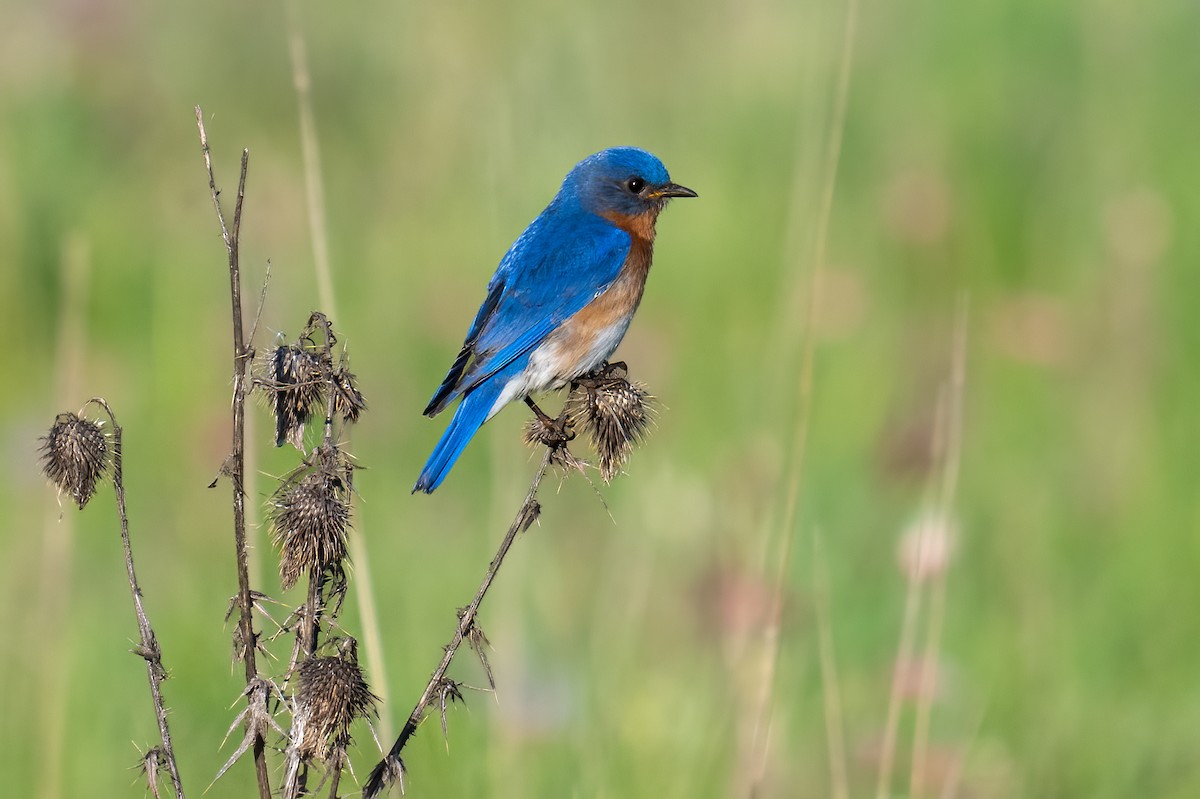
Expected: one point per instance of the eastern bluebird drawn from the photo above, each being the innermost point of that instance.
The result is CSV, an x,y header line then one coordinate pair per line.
x,y
561,299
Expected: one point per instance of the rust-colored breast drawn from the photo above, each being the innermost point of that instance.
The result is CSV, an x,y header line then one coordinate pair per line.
x,y
587,331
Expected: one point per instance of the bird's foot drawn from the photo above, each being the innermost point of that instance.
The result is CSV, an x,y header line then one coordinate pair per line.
x,y
606,373
553,433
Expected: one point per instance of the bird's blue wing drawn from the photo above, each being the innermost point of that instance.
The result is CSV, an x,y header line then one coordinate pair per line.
x,y
445,392
558,265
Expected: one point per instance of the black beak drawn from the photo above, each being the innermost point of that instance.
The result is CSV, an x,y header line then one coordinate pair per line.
x,y
670,190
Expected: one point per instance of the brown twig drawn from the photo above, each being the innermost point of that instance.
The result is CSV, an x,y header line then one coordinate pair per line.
x,y
148,646
391,767
235,466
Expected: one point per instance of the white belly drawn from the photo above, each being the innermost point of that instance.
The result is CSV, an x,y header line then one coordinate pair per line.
x,y
556,362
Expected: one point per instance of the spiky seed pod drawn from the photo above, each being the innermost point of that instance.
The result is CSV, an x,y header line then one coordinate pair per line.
x,y
538,433
75,456
348,401
309,523
293,380
331,696
616,414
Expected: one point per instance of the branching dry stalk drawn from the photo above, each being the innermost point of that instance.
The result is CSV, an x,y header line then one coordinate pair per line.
x,y
310,524
391,768
615,415
148,648
235,466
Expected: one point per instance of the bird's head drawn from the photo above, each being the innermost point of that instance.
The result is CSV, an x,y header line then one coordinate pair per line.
x,y
623,183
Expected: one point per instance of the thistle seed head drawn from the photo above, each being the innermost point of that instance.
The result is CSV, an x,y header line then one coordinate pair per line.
x,y
348,401
332,694
292,376
75,456
615,413
555,436
310,519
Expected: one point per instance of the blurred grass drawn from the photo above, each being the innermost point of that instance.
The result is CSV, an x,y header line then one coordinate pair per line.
x,y
1039,155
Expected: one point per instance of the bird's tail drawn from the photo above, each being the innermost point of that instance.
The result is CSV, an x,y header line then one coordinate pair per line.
x,y
468,416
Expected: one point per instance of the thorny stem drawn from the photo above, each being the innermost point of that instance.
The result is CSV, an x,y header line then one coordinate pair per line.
x,y
309,631
236,463
148,648
321,321
335,779
381,775
311,626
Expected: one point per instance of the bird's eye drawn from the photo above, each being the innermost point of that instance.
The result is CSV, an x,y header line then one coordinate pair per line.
x,y
635,185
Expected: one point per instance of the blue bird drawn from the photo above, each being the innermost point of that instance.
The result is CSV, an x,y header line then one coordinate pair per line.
x,y
561,299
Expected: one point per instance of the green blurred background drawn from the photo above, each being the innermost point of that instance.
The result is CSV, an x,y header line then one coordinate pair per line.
x,y
1039,156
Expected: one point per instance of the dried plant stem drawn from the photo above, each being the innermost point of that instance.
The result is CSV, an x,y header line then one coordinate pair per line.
x,y
334,781
308,634
382,774
951,457
235,466
148,644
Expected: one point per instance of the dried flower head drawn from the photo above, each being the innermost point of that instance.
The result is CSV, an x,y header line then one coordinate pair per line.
x,y
292,376
75,456
554,434
614,412
310,518
348,401
331,695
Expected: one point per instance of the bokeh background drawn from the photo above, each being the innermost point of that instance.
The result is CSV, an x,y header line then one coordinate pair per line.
x,y
1038,158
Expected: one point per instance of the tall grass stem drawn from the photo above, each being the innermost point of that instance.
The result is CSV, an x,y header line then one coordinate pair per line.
x,y
318,227
951,458
794,474
831,691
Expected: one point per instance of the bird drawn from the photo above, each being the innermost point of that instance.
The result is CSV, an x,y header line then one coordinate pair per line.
x,y
561,299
